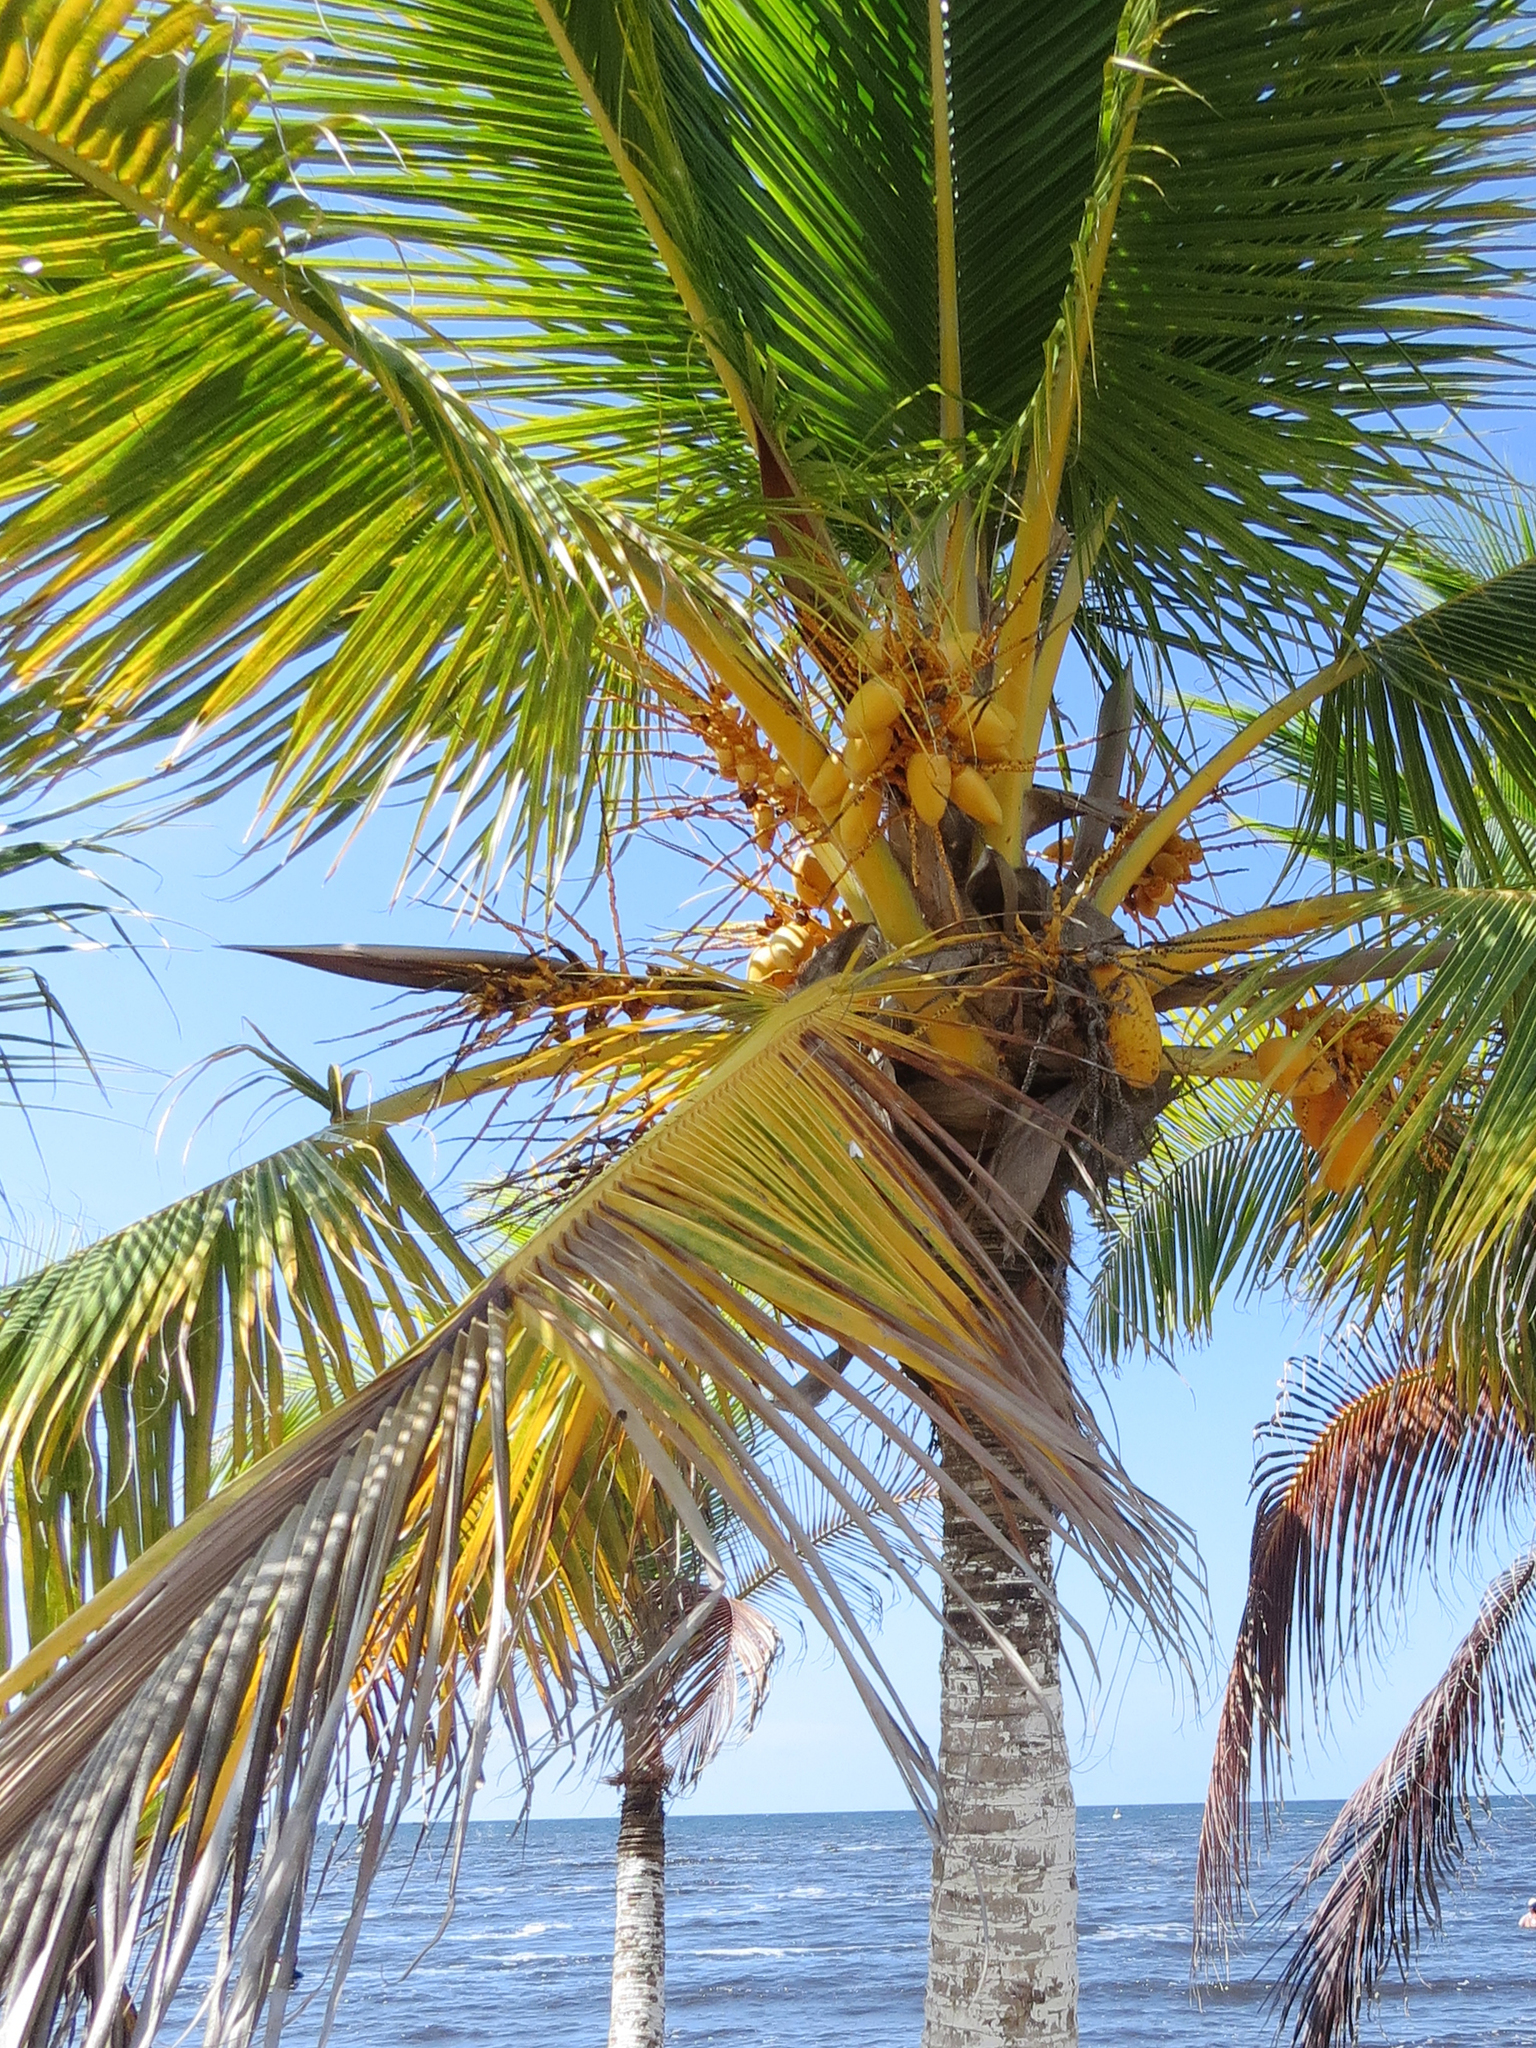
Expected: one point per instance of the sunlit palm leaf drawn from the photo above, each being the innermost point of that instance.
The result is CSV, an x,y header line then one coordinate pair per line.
x,y
1428,753
130,1370
160,312
1338,169
1205,1212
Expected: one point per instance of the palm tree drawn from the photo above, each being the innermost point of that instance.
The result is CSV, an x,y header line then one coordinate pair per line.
x,y
1373,1468
497,409
689,1665
685,1699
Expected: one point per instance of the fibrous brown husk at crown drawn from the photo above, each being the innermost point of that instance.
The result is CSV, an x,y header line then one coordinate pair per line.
x,y
1060,1114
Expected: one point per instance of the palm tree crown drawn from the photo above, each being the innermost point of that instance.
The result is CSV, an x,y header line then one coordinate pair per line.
x,y
974,437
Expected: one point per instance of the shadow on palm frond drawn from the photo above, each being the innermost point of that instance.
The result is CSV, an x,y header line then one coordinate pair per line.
x,y
468,1511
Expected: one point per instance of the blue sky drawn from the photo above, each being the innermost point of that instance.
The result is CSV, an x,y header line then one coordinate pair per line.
x,y
1185,1428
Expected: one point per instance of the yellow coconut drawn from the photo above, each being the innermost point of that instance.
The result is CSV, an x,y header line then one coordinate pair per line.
x,y
1316,1115
764,820
872,649
859,823
951,1041
1293,1066
972,794
1314,1080
980,726
992,735
813,885
873,707
861,757
1350,1152
829,785
958,646
1135,1040
929,777
779,955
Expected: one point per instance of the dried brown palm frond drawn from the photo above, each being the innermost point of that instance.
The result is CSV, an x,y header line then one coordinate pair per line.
x,y
171,1743
699,1661
1405,1833
1370,1457
690,1664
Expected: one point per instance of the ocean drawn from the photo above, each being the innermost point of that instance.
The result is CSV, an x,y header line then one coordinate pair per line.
x,y
792,1931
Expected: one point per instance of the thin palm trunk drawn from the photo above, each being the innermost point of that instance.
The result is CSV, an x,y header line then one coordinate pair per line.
x,y
1002,1929
638,2006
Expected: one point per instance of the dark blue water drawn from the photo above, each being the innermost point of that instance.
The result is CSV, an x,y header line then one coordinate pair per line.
x,y
801,1930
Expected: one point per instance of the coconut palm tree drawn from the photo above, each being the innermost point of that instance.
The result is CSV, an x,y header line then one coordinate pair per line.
x,y
684,1699
688,1667
970,436
1372,1469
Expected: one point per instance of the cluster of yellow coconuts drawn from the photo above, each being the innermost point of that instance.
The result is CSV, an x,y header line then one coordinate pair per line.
x,y
913,717
1317,1065
788,942
1167,872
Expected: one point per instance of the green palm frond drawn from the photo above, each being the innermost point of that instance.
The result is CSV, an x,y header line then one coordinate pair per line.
x,y
1420,764
1204,1212
455,328
1437,1205
134,1370
374,586
1318,199
1430,751
1026,93
1447,1191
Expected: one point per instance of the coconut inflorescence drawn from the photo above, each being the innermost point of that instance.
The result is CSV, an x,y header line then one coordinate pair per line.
x,y
1168,871
767,788
1319,1063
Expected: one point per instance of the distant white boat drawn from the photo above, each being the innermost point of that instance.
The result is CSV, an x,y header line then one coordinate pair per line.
x,y
1116,1814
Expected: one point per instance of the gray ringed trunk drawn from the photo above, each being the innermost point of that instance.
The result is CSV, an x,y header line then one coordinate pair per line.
x,y
1002,1927
1002,1939
638,2008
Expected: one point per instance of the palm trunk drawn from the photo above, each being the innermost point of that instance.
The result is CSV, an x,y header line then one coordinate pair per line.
x,y
638,2007
1002,1943
1002,1931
